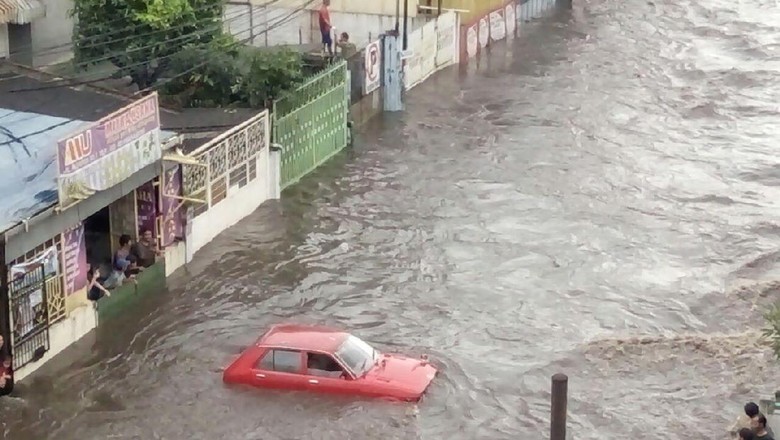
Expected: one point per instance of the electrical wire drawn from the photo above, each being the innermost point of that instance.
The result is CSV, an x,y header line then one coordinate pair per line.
x,y
69,83
237,43
194,34
53,50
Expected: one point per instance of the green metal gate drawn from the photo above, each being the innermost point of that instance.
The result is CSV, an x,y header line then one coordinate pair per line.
x,y
310,123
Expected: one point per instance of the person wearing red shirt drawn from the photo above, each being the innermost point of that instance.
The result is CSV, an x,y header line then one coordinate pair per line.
x,y
325,27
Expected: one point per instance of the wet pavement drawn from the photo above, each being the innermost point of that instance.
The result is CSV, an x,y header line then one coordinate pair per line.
x,y
599,198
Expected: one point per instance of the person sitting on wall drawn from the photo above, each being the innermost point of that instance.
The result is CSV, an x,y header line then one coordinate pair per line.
x,y
145,250
124,265
95,290
348,49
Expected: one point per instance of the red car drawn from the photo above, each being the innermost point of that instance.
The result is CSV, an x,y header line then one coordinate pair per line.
x,y
308,358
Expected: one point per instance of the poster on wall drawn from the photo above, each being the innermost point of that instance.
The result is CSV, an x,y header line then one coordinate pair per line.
x,y
484,32
497,25
445,39
511,20
428,50
75,264
146,207
48,259
172,224
373,63
472,41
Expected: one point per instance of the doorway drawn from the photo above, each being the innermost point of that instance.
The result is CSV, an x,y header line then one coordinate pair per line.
x,y
97,239
20,43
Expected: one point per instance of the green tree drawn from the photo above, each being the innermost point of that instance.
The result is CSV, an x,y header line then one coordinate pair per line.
x,y
232,76
140,36
772,330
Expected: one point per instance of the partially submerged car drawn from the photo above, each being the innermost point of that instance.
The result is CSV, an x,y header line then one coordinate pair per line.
x,y
310,358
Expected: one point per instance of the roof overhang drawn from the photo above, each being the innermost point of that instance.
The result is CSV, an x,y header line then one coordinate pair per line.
x,y
21,11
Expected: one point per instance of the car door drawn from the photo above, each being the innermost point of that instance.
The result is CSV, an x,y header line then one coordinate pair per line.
x,y
325,374
281,369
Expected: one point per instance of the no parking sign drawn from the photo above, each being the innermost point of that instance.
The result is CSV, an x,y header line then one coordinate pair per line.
x,y
373,63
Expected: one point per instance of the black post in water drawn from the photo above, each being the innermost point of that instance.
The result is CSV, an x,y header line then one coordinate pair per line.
x,y
438,8
560,390
406,24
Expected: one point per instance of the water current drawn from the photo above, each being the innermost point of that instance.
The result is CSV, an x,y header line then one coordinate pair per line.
x,y
598,197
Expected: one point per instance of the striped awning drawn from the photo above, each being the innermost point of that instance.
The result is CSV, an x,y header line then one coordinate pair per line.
x,y
21,11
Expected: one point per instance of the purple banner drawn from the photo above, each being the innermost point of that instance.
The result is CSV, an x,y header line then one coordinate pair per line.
x,y
108,135
75,259
173,217
146,207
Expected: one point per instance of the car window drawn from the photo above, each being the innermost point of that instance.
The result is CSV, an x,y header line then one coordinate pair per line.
x,y
324,365
285,361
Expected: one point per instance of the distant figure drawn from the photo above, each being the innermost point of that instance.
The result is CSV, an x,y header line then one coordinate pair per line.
x,y
325,27
347,48
761,430
745,420
746,434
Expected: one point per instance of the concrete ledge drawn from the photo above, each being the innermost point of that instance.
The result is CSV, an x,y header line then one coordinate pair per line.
x,y
61,336
149,280
366,108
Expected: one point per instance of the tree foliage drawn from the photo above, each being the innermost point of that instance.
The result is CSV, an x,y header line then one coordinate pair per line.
x,y
232,76
772,330
140,36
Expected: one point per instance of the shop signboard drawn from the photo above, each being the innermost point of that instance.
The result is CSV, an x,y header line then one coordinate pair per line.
x,y
109,151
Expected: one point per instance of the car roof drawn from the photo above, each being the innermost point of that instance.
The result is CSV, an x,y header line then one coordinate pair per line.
x,y
303,337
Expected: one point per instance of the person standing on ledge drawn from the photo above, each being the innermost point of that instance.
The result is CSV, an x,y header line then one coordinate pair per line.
x,y
325,28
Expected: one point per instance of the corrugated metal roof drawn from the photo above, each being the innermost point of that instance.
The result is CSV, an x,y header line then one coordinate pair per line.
x,y
21,11
28,172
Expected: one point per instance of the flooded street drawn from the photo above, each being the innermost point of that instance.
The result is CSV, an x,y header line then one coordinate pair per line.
x,y
599,198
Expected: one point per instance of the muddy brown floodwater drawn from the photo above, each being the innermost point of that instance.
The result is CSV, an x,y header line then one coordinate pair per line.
x,y
599,198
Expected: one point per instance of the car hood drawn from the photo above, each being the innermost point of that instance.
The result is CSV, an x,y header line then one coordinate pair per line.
x,y
413,375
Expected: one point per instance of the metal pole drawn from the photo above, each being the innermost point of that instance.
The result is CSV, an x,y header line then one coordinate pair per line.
x,y
438,9
406,24
560,385
5,309
397,16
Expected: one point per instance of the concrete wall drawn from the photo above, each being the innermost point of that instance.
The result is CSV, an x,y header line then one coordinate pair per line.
x,y
364,28
379,7
3,40
175,257
366,108
62,335
52,34
268,26
239,203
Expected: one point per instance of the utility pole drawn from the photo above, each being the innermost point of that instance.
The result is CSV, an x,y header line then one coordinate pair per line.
x,y
406,24
397,16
